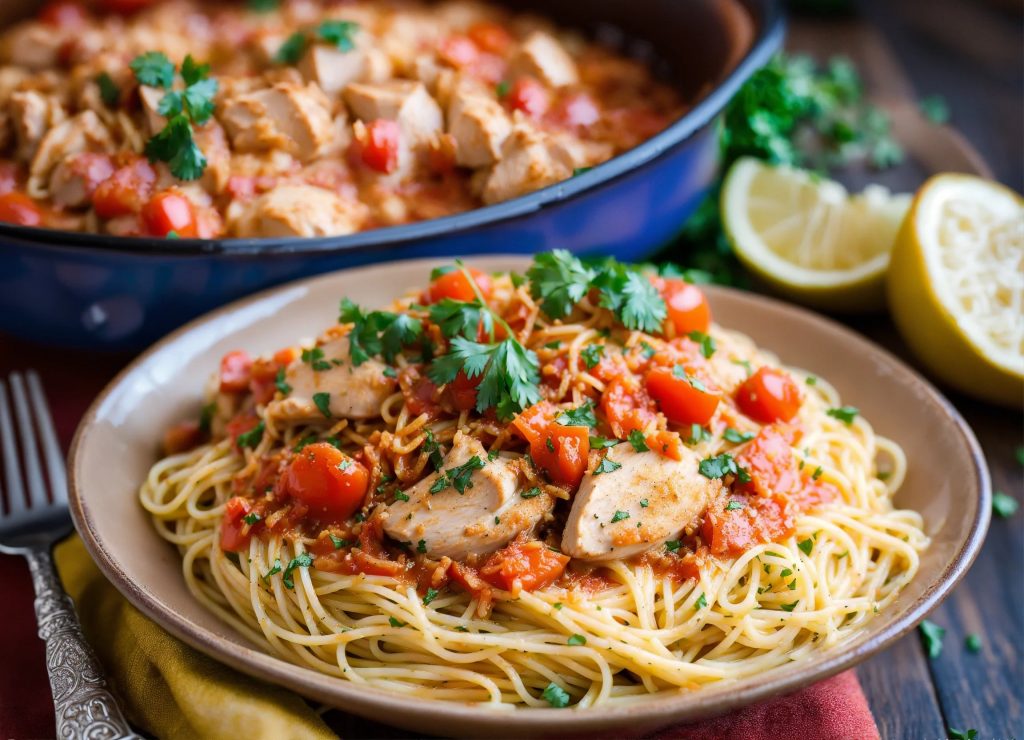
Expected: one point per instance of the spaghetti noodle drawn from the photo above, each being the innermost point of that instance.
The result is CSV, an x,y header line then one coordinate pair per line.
x,y
795,546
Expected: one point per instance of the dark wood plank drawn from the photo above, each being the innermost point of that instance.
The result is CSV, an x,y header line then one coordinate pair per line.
x,y
899,690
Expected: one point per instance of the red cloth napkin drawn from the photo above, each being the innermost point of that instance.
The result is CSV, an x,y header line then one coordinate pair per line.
x,y
834,709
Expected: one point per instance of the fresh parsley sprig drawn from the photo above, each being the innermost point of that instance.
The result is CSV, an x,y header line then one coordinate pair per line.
x,y
192,106
338,33
378,332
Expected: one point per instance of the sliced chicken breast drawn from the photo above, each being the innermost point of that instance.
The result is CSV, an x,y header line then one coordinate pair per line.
x,y
484,517
353,392
649,500
299,210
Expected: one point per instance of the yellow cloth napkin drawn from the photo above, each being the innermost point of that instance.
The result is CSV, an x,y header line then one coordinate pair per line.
x,y
167,688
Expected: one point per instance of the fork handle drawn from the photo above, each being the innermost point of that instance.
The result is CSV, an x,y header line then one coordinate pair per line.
x,y
84,706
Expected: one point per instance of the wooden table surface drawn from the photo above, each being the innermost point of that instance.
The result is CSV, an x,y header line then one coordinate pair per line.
x,y
971,53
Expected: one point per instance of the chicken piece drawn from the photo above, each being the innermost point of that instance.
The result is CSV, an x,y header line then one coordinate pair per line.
x,y
528,162
675,494
81,133
75,179
299,210
150,98
333,70
541,55
33,46
479,125
486,516
580,153
354,392
295,118
213,142
404,101
32,115
405,34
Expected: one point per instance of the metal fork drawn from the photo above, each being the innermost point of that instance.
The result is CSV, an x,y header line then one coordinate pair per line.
x,y
84,706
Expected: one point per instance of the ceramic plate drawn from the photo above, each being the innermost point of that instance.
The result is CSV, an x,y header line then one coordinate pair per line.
x,y
120,436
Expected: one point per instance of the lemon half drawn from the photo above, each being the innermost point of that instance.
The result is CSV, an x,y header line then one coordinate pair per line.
x,y
807,238
956,285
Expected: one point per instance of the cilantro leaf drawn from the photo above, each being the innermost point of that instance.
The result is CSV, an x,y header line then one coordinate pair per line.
x,y
806,546
581,416
110,93
789,607
461,318
154,69
636,439
459,477
556,696
532,493
394,622
280,382
323,403
576,640
508,371
430,595
402,330
339,33
607,465
845,414
559,281
734,505
673,545
251,438
631,296
338,542
303,560
192,72
706,342
736,437
198,99
592,354
701,602
720,466
291,51
931,635
618,516
432,449
600,443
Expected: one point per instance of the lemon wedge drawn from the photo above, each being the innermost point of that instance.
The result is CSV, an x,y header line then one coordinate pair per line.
x,y
956,285
807,238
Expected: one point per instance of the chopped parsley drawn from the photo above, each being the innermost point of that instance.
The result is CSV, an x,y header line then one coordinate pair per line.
x,y
618,516
315,359
251,438
421,546
592,354
600,443
110,93
734,505
581,416
206,415
273,571
673,545
789,607
636,439
811,380
338,33
549,444
557,605
845,414
338,542
378,332
458,477
973,643
291,51
720,466
577,640
280,382
400,496
701,601
323,403
1004,505
607,465
251,518
184,109
643,503
647,351
931,636
430,446
698,434
817,473
430,595
680,372
553,345
303,560
706,342
806,546
502,88
556,696
531,493
396,622
304,443
737,437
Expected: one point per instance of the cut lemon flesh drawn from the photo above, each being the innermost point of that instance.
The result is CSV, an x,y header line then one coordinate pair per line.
x,y
808,238
956,286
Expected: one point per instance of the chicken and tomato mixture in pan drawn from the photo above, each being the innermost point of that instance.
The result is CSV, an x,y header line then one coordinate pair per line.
x,y
280,118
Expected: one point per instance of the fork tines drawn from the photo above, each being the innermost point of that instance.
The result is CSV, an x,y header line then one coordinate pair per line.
x,y
31,456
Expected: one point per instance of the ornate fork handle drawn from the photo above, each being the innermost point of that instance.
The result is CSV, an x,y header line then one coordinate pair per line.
x,y
84,706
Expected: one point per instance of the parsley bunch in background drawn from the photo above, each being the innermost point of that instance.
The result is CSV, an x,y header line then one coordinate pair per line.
x,y
789,112
183,109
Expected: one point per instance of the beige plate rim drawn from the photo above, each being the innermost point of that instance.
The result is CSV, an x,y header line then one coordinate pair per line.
x,y
463,718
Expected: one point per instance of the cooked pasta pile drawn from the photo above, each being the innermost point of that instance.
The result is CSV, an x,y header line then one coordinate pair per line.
x,y
603,629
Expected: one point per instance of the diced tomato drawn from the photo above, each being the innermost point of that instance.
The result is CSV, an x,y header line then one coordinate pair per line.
x,y
769,395
124,7
490,37
327,480
91,168
241,187
681,400
17,208
456,286
769,460
688,308
380,149
667,444
235,370
458,51
562,451
761,519
462,391
181,437
529,96
169,211
287,356
418,390
241,424
627,406
234,532
469,579
523,566
578,110
263,379
531,423
126,191
63,14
